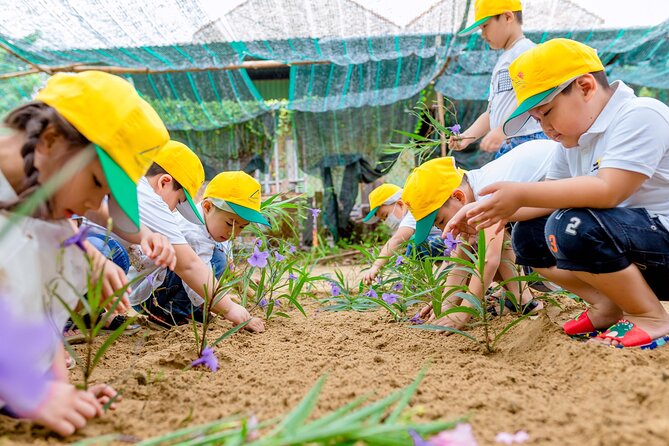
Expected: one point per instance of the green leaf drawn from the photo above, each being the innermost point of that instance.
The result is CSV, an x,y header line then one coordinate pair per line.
x,y
110,340
230,332
300,414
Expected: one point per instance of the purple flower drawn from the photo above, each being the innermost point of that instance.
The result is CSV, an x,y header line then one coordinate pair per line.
x,y
277,303
451,243
259,242
207,358
258,258
291,249
292,276
389,298
399,261
24,345
263,303
398,286
417,439
507,438
455,129
336,290
416,319
371,293
78,239
278,256
314,213
462,435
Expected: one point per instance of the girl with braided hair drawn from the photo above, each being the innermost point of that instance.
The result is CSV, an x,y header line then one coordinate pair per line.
x,y
94,130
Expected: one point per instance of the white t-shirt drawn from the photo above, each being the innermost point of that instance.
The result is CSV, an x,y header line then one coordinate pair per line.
x,y
203,244
7,192
155,214
631,134
34,268
410,222
529,162
501,98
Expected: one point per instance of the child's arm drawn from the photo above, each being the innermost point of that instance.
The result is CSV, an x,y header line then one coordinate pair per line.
x,y
399,237
494,245
606,190
456,278
195,273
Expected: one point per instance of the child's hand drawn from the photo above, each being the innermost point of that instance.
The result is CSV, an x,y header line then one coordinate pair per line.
x,y
159,249
458,223
103,393
66,409
426,312
459,142
453,320
112,277
238,314
369,277
504,200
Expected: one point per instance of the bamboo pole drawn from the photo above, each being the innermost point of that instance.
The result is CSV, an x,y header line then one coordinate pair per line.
x,y
441,119
246,65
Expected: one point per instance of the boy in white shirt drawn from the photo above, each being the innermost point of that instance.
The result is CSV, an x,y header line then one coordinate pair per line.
x,y
608,242
437,190
170,184
387,206
501,27
230,202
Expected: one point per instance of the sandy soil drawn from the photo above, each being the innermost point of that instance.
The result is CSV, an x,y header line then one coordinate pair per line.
x,y
562,392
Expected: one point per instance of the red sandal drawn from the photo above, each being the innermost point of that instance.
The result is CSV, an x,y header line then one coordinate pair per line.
x,y
581,326
627,334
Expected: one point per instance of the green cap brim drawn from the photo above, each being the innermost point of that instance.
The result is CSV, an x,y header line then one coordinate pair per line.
x,y
124,192
371,214
424,226
471,28
520,115
189,210
247,214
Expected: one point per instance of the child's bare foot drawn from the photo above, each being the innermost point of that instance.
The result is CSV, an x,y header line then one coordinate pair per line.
x,y
636,330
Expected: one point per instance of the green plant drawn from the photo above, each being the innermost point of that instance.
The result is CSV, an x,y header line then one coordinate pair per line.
x,y
96,311
378,423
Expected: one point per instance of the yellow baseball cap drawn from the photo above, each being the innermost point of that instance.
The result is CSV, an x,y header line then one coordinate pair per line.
x,y
542,72
376,199
126,132
426,190
486,9
185,167
241,192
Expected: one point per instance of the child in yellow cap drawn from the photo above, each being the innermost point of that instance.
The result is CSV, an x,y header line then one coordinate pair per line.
x,y
436,190
501,24
96,125
608,240
170,297
387,206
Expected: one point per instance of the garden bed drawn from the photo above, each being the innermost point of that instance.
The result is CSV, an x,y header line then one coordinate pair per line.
x,y
562,392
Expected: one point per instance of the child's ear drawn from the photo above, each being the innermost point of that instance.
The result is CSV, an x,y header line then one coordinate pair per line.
x,y
460,196
164,180
47,148
206,206
587,86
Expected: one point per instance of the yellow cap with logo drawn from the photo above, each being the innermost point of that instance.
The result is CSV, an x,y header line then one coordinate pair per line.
x,y
126,132
185,167
542,72
486,9
426,190
241,192
376,199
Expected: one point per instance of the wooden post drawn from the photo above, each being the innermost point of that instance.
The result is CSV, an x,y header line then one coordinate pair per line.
x,y
441,119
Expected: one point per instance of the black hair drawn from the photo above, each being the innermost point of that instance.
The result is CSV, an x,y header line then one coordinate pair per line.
x,y
32,119
155,169
600,77
517,14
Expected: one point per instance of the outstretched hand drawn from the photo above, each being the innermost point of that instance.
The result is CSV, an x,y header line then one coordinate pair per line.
x,y
504,200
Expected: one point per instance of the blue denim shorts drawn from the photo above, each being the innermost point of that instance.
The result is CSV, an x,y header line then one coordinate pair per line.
x,y
515,141
597,241
170,303
433,246
111,249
